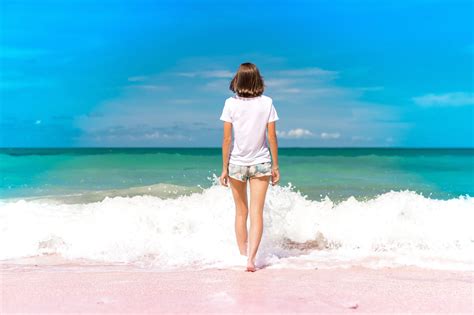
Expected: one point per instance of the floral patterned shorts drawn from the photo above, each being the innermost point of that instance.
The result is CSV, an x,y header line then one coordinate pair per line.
x,y
242,172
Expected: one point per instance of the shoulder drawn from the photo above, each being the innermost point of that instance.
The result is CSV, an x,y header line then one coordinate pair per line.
x,y
230,100
267,99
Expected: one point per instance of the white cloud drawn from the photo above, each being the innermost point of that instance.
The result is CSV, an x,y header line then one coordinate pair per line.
x,y
279,82
291,90
318,72
361,138
446,99
160,135
154,87
299,133
187,74
329,135
138,78
370,88
181,101
295,133
216,85
219,74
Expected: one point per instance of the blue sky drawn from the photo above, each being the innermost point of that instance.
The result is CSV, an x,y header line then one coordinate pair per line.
x,y
156,73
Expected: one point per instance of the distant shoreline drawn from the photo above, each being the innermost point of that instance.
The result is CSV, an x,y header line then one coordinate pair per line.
x,y
216,151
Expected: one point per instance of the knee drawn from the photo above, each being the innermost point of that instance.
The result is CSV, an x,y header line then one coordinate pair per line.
x,y
256,217
242,213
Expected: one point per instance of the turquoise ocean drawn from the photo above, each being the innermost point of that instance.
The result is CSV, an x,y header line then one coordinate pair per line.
x,y
163,208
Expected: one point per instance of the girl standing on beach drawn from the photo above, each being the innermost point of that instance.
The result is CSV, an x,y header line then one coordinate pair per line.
x,y
249,114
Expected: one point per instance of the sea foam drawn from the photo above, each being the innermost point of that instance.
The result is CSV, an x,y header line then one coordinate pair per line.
x,y
397,228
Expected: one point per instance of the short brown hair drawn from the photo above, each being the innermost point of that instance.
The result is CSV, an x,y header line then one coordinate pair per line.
x,y
247,82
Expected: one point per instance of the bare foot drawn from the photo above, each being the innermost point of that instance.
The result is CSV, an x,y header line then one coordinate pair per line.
x,y
251,266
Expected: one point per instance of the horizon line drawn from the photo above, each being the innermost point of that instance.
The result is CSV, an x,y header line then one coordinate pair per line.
x,y
218,147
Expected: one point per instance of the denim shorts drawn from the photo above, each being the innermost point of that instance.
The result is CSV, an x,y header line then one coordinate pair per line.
x,y
243,172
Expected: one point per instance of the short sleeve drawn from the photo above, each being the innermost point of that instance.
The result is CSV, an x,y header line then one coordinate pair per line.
x,y
226,114
273,114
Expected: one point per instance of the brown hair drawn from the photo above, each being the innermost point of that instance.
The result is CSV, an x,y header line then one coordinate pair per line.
x,y
247,82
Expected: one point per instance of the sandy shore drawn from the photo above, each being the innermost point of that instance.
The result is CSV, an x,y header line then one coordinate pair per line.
x,y
354,290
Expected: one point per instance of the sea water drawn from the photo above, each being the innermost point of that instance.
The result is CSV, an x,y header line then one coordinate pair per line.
x,y
163,208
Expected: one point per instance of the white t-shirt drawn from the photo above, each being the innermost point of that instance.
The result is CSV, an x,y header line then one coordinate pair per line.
x,y
249,118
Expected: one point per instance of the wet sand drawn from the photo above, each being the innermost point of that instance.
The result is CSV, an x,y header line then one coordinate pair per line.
x,y
353,290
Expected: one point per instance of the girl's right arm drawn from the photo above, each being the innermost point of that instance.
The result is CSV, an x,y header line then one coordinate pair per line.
x,y
273,142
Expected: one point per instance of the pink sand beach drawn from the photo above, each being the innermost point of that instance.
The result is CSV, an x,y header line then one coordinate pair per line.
x,y
320,291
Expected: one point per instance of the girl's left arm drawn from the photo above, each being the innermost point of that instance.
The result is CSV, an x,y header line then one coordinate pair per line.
x,y
226,142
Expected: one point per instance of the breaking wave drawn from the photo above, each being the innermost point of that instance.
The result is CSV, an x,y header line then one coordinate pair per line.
x,y
195,229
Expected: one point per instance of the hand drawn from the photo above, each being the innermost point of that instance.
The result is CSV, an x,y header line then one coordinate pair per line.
x,y
224,179
275,176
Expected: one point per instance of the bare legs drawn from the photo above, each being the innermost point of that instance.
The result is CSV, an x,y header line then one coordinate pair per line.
x,y
239,191
258,190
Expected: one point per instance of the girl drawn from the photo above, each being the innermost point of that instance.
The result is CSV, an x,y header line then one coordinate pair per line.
x,y
249,114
